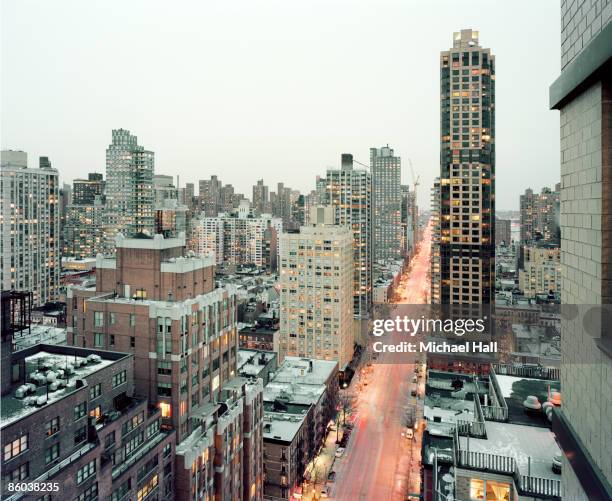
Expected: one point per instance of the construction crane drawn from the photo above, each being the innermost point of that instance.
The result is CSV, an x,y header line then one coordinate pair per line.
x,y
415,180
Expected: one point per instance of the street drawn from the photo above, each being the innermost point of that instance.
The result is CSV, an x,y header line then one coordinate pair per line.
x,y
380,463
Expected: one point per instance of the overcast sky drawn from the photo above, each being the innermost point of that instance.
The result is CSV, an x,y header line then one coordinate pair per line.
x,y
250,89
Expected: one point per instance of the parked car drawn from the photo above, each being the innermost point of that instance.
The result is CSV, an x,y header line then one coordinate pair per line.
x,y
409,434
556,464
331,476
325,491
339,452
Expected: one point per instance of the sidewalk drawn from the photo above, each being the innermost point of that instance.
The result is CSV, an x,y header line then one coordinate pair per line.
x,y
320,467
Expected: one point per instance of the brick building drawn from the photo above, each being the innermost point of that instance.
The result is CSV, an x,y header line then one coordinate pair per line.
x,y
157,301
72,419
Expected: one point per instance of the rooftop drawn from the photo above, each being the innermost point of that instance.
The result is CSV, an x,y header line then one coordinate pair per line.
x,y
61,365
531,447
251,362
283,425
516,389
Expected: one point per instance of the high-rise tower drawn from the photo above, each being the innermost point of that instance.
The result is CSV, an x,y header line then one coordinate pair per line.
x,y
129,188
467,173
386,203
349,190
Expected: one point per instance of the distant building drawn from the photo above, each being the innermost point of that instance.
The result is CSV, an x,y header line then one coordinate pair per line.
x,y
234,239
541,271
540,216
129,188
503,231
349,190
30,241
85,191
386,204
261,198
316,276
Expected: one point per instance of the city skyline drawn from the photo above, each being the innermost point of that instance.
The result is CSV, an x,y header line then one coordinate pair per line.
x,y
297,111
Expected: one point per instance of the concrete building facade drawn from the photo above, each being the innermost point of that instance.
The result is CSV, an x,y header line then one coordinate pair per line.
x,y
30,242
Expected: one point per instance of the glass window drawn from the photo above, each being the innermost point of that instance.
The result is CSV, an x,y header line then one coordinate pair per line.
x,y
98,319
15,447
86,471
52,453
52,426
80,411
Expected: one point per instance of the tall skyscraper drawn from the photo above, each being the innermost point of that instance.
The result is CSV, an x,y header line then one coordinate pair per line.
x,y
386,203
261,198
349,190
583,94
210,196
540,215
467,173
30,242
129,188
316,281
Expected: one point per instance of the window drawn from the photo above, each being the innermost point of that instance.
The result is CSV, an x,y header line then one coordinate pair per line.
x,y
52,426
147,488
132,319
166,409
489,490
80,411
164,389
96,412
111,340
19,473
167,450
98,340
80,435
119,378
164,368
15,447
132,342
98,319
52,453
109,441
86,471
95,391
133,423
89,494
123,489
153,428
113,318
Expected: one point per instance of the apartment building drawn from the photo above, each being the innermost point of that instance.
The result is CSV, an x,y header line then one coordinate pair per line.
x,y
465,243
316,280
30,243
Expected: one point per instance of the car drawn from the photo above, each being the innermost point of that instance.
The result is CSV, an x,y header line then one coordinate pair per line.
x,y
331,476
556,464
339,452
414,378
325,491
409,434
413,392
